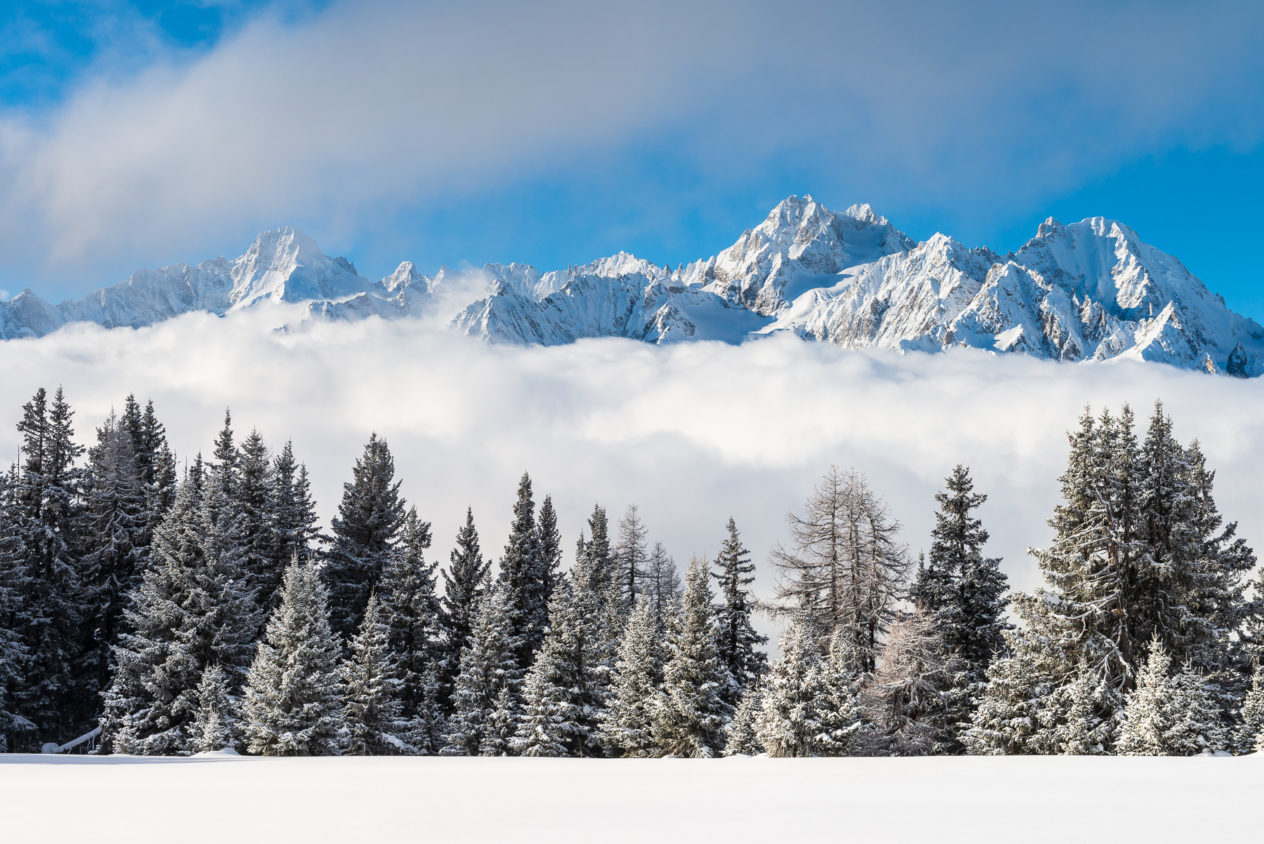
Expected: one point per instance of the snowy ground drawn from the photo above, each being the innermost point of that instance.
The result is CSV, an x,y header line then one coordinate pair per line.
x,y
354,799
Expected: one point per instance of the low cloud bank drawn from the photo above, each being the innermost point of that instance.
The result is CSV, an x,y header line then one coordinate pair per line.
x,y
691,433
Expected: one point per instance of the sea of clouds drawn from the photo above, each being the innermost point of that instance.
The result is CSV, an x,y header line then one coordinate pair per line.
x,y
692,433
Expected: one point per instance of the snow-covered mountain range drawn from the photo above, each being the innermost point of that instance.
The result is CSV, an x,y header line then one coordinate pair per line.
x,y
1090,290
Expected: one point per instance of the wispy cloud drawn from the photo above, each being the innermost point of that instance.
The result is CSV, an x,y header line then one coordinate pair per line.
x,y
691,433
340,116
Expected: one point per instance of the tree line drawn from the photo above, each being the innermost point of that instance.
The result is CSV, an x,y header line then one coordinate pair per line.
x,y
183,612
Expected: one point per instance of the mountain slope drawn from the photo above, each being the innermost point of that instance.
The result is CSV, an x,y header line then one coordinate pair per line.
x,y
1090,290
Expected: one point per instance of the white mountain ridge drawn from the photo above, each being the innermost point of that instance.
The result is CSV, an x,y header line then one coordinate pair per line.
x,y
1090,290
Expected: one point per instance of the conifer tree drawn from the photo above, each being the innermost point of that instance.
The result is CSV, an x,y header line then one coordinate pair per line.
x,y
738,643
12,586
488,665
742,738
631,558
788,720
411,613
597,550
663,588
691,718
567,695
628,726
907,698
45,521
1197,720
522,572
254,502
115,537
1010,716
371,711
189,612
215,721
840,723
364,535
294,695
1080,735
1147,715
1251,725
498,735
463,583
292,524
847,568
549,545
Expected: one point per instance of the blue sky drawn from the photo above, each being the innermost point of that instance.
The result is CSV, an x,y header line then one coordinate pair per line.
x,y
135,135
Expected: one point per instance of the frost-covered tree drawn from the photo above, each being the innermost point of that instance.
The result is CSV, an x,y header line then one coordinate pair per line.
x,y
522,572
846,567
1147,717
293,518
568,688
254,502
631,557
691,718
411,612
12,586
1010,714
215,721
662,588
597,550
742,737
1197,721
628,726
1250,732
189,612
839,722
364,535
488,665
294,695
907,697
549,545
371,710
502,722
463,587
738,643
788,720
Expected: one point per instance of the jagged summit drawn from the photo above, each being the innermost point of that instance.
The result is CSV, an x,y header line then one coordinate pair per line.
x,y
1091,290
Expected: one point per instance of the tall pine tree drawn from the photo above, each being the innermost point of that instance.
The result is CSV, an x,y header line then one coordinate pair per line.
x,y
738,643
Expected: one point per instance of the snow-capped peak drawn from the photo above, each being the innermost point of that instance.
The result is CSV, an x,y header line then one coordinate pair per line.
x,y
284,265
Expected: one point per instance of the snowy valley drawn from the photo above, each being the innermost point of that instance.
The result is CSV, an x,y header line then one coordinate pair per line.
x,y
1087,291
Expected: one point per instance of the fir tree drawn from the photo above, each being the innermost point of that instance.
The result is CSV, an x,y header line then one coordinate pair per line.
x,y
292,524
1081,734
739,644
12,586
662,588
839,722
1010,716
498,734
628,726
788,720
549,546
569,686
462,593
254,502
411,613
597,550
522,572
1251,726
215,721
1197,721
1147,716
371,711
691,719
294,695
847,568
742,738
488,665
364,535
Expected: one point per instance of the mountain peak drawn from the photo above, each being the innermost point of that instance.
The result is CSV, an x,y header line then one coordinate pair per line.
x,y
285,265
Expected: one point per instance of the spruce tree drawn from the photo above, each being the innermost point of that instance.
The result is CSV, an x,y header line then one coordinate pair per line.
x,y
522,572
498,734
738,643
488,665
1251,725
463,583
663,588
13,585
1077,736
215,721
631,558
788,720
371,711
1147,717
597,550
628,726
254,502
292,524
411,612
840,723
1197,721
294,694
364,535
568,688
691,719
549,546
742,738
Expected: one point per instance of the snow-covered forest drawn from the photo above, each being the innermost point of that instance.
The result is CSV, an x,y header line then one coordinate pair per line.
x,y
160,610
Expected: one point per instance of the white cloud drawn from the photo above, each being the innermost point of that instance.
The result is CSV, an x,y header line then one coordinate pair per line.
x,y
333,117
691,433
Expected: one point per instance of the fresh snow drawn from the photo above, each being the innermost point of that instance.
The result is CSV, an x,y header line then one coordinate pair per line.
x,y
968,799
1090,290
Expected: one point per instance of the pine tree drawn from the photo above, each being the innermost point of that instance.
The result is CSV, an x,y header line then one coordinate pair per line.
x,y
365,532
215,721
522,572
294,695
462,593
907,698
597,550
1010,715
628,726
739,644
963,591
847,568
631,558
549,546
189,612
13,585
788,720
1197,721
45,521
568,688
499,732
371,711
254,502
115,538
1147,716
291,524
691,719
488,665
839,722
1251,728
411,613
742,738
